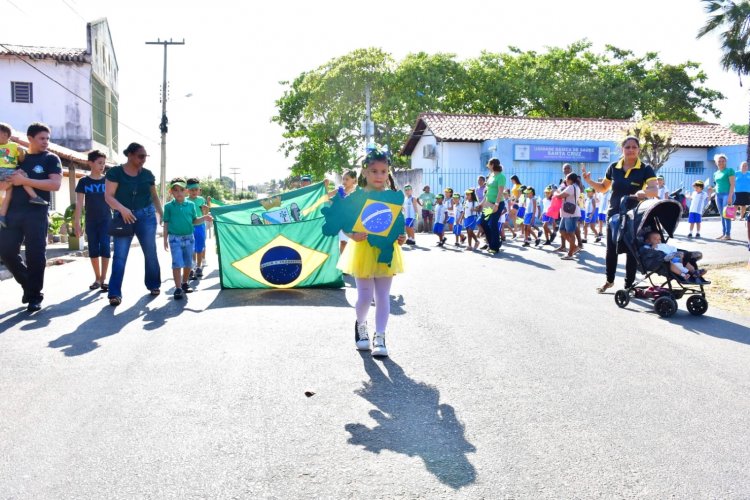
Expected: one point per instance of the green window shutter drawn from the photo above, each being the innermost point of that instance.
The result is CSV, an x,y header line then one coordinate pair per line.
x,y
99,112
113,116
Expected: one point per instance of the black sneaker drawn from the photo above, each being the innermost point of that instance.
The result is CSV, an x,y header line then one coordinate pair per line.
x,y
697,235
34,307
536,243
484,247
186,288
191,277
178,294
690,236
198,272
361,338
409,241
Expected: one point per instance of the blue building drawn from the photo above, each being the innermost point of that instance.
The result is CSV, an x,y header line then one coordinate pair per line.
x,y
451,150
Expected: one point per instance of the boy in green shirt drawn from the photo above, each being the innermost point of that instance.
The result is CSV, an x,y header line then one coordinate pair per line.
x,y
180,215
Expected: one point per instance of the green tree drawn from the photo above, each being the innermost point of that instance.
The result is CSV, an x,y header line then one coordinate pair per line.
x,y
656,142
740,129
321,111
731,19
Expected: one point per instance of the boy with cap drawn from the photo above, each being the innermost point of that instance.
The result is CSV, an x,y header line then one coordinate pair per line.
x,y
410,214
199,231
698,200
440,215
180,216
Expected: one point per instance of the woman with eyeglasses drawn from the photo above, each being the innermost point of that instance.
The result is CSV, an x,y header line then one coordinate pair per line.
x,y
130,190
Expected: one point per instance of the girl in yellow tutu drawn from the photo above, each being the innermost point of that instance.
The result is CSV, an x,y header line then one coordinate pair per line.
x,y
360,259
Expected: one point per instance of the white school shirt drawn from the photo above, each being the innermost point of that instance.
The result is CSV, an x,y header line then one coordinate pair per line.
x,y
662,192
530,205
409,208
440,211
603,201
589,205
458,209
698,201
469,208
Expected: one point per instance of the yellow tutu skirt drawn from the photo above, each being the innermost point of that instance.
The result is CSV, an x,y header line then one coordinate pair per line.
x,y
360,260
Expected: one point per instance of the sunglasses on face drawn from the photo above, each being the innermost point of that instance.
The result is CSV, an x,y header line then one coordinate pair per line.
x,y
142,156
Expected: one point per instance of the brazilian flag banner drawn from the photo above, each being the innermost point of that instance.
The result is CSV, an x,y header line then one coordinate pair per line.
x,y
292,206
283,250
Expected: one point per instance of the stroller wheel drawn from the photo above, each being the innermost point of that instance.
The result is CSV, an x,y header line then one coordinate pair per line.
x,y
665,306
622,298
697,305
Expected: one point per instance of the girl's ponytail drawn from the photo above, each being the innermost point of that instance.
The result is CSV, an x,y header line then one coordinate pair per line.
x,y
391,181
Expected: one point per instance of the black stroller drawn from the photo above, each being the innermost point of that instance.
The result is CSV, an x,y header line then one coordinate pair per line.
x,y
636,221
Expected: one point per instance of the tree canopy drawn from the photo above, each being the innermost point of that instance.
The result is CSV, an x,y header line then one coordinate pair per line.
x,y
321,111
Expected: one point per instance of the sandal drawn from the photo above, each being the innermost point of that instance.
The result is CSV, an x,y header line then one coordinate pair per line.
x,y
94,285
155,292
606,286
567,257
105,287
115,301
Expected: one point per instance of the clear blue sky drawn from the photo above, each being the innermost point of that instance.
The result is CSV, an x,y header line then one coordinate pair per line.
x,y
237,52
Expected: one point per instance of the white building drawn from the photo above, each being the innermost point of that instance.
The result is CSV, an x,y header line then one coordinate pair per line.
x,y
74,91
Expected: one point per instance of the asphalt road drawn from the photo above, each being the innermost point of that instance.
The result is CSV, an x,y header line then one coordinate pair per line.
x,y
509,377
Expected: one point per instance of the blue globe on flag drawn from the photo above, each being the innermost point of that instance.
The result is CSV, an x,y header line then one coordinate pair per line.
x,y
376,217
281,265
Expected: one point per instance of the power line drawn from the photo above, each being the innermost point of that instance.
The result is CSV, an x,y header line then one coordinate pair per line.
x,y
18,8
74,10
20,58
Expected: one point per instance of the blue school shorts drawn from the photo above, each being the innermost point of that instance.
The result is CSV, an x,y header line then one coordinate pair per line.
x,y
199,233
409,222
592,217
470,222
451,220
528,220
694,218
457,228
583,214
438,228
521,212
603,217
547,218
181,247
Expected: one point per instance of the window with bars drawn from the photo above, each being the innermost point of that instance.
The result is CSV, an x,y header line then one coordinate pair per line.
x,y
22,92
693,167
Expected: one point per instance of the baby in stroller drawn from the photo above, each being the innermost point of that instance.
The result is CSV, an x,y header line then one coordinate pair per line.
x,y
682,264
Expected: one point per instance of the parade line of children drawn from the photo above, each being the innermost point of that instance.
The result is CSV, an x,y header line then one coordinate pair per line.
x,y
527,215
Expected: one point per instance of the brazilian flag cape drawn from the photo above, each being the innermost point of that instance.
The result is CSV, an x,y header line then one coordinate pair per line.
x,y
277,242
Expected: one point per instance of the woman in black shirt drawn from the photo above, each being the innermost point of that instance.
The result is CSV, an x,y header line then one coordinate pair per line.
x,y
626,177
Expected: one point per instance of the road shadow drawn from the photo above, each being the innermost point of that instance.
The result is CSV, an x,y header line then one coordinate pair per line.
x,y
43,318
411,421
107,322
699,325
311,297
514,257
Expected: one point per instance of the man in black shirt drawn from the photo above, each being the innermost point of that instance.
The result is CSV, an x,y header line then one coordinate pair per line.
x,y
27,223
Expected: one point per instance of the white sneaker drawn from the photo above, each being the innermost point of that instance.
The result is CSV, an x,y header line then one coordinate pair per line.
x,y
360,336
378,346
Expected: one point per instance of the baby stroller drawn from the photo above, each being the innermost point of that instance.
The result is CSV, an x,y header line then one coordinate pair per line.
x,y
636,221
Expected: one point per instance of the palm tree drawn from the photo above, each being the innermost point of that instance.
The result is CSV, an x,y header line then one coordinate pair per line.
x,y
732,20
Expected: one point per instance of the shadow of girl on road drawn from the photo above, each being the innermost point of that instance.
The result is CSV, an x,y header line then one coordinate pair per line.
x,y
411,420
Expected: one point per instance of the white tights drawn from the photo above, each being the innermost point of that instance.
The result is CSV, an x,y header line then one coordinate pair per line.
x,y
380,288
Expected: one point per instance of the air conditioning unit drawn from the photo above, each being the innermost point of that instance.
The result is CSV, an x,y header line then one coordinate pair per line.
x,y
429,151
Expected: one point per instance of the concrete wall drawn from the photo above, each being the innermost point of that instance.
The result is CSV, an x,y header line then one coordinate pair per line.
x,y
68,116
418,161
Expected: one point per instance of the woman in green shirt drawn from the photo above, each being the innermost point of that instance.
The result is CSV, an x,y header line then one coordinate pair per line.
x,y
493,205
130,190
724,178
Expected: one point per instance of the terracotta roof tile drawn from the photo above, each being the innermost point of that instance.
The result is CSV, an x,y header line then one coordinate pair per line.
x,y
55,53
477,128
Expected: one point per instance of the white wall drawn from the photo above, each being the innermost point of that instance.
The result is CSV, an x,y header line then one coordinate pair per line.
x,y
68,116
417,158
103,60
459,156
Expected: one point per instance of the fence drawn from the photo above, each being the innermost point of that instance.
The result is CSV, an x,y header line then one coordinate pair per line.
x,y
539,178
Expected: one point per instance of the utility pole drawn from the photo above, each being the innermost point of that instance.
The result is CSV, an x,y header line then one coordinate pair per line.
x,y
368,126
163,126
220,145
233,173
